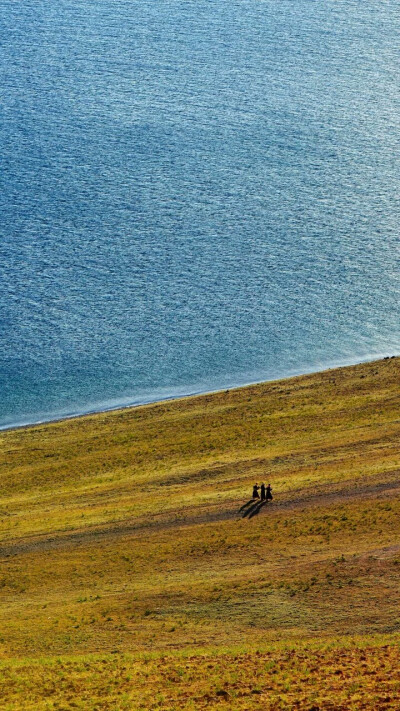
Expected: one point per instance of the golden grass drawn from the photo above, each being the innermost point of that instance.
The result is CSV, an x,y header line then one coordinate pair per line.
x,y
121,536
362,674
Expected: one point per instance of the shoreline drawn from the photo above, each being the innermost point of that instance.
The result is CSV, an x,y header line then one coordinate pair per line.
x,y
117,406
135,530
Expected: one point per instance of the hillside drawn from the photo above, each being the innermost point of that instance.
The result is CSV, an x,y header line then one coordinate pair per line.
x,y
132,578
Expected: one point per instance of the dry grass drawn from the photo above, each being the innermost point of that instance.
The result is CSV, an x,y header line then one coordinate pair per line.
x,y
121,536
358,675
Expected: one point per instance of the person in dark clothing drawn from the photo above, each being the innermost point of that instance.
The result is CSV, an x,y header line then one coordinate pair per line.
x,y
255,491
268,494
262,490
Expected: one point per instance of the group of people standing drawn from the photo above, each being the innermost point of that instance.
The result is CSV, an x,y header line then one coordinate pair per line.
x,y
265,492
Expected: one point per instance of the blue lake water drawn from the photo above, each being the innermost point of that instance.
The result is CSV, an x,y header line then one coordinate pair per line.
x,y
194,195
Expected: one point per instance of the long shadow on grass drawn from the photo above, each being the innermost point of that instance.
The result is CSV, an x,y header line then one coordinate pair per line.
x,y
254,510
251,501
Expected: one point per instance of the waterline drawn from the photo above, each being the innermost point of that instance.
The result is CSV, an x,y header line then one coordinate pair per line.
x,y
165,395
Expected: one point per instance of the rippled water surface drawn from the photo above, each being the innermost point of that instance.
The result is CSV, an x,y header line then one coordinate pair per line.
x,y
194,194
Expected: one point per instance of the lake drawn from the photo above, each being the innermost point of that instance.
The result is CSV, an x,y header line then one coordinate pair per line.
x,y
194,195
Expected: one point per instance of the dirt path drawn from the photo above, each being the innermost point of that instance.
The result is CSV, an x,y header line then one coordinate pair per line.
x,y
298,499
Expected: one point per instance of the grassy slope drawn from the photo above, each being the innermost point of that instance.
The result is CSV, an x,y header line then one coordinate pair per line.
x,y
121,534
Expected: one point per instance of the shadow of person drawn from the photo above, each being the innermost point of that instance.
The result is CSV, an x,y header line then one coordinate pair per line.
x,y
256,509
251,501
252,510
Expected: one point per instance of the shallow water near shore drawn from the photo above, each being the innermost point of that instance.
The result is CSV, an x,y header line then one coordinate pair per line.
x,y
194,196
